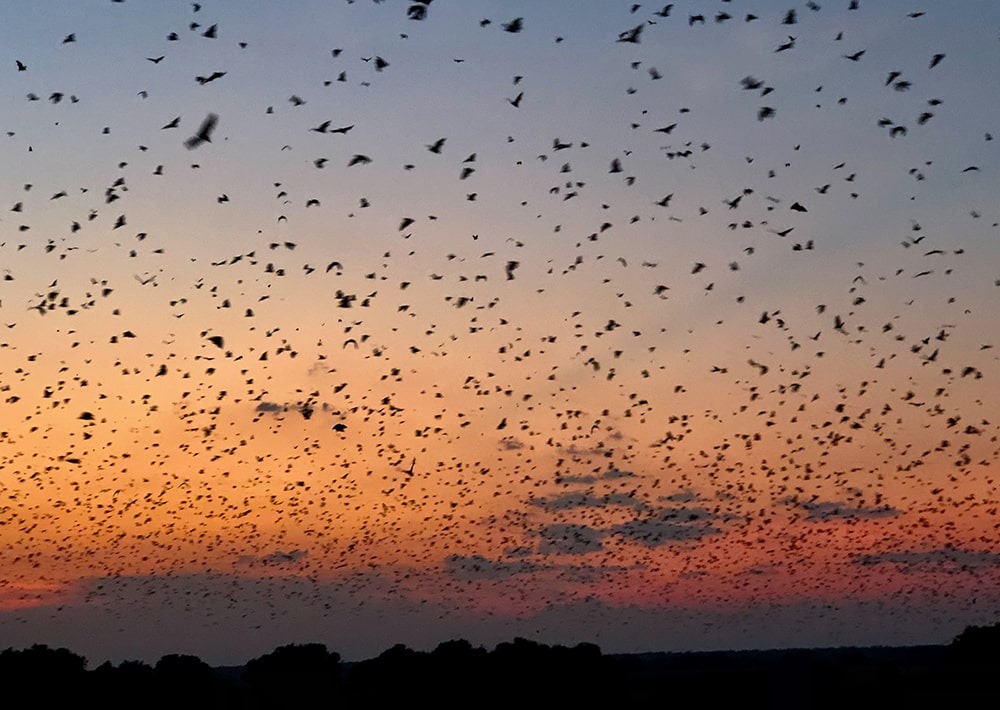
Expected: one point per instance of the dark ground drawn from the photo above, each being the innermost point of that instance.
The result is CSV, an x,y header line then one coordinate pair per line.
x,y
523,674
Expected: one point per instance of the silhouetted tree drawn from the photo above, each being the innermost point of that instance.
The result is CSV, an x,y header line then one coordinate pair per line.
x,y
457,674
557,675
397,675
294,676
42,676
184,681
979,643
119,687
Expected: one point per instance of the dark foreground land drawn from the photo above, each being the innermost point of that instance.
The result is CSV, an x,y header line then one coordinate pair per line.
x,y
523,674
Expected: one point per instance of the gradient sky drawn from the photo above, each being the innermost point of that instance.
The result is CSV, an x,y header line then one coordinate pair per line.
x,y
679,343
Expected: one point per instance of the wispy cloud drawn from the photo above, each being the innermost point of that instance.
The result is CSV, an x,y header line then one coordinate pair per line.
x,y
569,538
830,509
940,560
658,530
471,567
651,527
277,558
511,443
588,499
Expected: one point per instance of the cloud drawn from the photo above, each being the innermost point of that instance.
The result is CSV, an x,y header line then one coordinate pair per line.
x,y
276,558
21,595
614,474
941,560
578,480
653,532
569,539
651,527
668,525
511,443
826,510
803,623
306,408
519,551
228,619
574,450
587,499
471,567
686,496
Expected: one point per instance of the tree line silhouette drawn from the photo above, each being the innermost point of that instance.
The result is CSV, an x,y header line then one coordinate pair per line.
x,y
522,672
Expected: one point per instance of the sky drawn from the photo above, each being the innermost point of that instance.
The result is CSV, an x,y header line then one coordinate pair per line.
x,y
372,322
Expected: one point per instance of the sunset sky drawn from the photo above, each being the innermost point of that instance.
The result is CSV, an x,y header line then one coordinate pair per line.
x,y
662,328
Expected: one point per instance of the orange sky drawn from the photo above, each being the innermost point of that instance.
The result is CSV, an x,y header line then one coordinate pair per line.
x,y
627,345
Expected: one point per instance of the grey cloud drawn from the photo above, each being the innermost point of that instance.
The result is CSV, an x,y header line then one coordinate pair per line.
x,y
275,558
681,497
826,510
511,443
942,559
653,532
578,480
668,525
587,499
569,538
574,450
614,474
306,409
652,529
470,567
